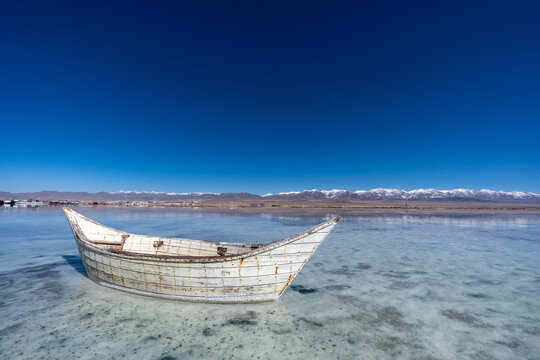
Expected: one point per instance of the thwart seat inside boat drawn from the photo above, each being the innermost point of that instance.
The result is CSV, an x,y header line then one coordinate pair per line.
x,y
143,244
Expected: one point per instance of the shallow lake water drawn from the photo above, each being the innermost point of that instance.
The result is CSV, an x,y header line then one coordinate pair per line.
x,y
382,286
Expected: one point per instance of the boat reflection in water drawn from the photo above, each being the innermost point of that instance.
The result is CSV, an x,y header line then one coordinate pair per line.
x,y
152,328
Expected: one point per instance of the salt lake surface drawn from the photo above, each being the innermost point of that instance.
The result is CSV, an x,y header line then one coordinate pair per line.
x,y
382,286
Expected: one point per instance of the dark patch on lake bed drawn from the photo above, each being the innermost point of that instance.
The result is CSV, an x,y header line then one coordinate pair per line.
x,y
208,331
311,321
477,295
247,319
303,290
465,317
344,270
363,266
386,315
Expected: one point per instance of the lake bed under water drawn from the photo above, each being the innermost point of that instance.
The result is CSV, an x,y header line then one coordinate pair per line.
x,y
382,286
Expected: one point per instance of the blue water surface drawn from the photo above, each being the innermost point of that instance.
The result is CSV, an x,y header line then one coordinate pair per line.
x,y
382,286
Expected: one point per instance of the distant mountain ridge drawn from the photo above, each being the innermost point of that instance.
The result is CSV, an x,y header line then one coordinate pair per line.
x,y
306,195
418,194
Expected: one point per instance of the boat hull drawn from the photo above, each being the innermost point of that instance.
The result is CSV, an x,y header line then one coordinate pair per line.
x,y
261,275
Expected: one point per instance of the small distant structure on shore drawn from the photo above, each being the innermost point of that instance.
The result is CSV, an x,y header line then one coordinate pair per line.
x,y
63,203
30,203
8,203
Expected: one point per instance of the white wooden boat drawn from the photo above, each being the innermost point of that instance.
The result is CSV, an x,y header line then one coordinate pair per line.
x,y
193,270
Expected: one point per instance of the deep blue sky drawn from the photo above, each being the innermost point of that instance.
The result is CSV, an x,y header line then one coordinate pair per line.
x,y
269,96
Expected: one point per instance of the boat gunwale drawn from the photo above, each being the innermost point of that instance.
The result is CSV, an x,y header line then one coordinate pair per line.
x,y
84,241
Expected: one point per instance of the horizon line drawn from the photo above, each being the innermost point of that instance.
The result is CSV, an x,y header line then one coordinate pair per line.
x,y
285,192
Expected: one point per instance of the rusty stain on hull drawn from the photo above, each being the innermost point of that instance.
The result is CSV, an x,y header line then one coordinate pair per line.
x,y
193,270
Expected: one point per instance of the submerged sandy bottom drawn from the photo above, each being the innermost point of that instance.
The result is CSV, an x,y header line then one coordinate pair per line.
x,y
380,287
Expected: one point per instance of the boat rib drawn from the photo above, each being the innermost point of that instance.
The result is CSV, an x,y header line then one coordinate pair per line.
x,y
192,270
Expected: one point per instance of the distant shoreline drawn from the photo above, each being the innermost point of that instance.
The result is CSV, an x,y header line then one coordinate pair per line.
x,y
371,206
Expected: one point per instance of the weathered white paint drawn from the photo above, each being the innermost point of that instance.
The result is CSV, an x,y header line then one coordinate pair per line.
x,y
193,270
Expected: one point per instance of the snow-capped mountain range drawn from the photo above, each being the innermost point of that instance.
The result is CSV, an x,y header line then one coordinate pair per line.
x,y
396,194
306,195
